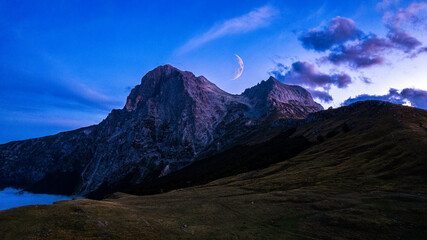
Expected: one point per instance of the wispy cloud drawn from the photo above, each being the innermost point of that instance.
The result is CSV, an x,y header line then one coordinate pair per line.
x,y
22,88
258,18
386,4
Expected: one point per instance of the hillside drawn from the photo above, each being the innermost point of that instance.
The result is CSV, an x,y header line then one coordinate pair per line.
x,y
343,127
360,175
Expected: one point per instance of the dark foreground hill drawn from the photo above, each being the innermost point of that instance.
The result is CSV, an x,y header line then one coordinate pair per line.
x,y
360,175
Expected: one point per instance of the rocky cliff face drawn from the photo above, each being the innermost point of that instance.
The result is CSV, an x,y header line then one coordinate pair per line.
x,y
170,120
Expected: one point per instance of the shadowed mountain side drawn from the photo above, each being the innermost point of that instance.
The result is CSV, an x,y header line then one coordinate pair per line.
x,y
236,160
363,177
372,140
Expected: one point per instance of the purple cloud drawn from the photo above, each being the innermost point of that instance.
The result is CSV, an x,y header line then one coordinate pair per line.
x,y
365,80
418,52
417,97
324,96
396,34
343,80
307,74
403,40
408,14
346,44
365,53
340,30
393,96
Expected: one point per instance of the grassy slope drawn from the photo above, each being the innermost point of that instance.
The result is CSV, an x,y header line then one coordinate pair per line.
x,y
363,181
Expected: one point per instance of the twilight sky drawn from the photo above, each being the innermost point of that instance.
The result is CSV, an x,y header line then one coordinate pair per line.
x,y
66,64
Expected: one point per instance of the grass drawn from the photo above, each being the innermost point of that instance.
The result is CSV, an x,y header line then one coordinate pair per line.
x,y
212,212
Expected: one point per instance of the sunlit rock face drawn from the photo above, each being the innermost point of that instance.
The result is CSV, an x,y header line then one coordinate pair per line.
x,y
170,120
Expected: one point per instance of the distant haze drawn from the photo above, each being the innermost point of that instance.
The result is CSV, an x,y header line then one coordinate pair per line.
x,y
10,197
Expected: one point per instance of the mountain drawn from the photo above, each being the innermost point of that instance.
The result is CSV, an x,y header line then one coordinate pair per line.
x,y
170,120
355,172
372,142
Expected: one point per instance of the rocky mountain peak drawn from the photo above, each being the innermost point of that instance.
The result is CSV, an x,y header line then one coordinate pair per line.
x,y
170,119
169,82
167,72
274,91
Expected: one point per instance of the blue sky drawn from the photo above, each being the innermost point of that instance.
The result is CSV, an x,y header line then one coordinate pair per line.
x,y
66,64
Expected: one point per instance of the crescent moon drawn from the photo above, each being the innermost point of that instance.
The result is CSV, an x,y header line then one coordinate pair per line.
x,y
239,71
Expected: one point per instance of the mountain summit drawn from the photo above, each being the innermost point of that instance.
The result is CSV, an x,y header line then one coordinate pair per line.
x,y
286,100
166,83
170,120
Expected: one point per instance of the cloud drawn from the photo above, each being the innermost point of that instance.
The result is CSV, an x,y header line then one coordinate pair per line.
x,y
393,96
403,39
386,4
346,44
324,96
66,120
258,18
307,75
394,23
365,79
398,36
365,53
23,90
418,52
33,106
338,31
403,15
417,97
